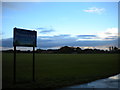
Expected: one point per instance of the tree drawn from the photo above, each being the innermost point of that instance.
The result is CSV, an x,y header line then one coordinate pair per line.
x,y
78,50
66,49
115,48
110,49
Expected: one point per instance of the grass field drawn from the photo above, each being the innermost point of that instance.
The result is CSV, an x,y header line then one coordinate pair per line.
x,y
58,70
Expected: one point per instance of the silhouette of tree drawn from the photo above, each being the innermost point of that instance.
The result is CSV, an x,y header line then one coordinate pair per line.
x,y
110,48
115,48
78,50
39,50
66,49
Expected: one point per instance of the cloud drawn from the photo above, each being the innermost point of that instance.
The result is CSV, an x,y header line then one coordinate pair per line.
x,y
94,10
56,40
40,28
52,42
62,36
97,40
47,31
109,33
7,42
86,36
72,42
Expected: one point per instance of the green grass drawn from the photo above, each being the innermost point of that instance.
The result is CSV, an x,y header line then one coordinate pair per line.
x,y
58,70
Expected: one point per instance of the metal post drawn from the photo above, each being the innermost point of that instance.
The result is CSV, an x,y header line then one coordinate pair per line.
x,y
33,63
14,66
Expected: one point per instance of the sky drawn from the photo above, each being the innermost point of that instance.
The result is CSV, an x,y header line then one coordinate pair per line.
x,y
78,24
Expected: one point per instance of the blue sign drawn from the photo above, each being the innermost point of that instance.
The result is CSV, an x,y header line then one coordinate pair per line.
x,y
24,37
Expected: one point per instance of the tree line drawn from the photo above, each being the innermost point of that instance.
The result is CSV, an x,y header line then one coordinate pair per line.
x,y
69,50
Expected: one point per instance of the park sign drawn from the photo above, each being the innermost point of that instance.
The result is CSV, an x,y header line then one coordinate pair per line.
x,y
24,37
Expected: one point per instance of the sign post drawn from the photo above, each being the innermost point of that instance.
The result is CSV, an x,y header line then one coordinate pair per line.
x,y
14,67
25,38
33,63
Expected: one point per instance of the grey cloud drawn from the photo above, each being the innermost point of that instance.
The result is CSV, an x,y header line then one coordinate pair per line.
x,y
46,31
40,28
62,40
108,33
63,35
109,38
56,40
45,36
86,35
118,42
112,37
7,42
55,36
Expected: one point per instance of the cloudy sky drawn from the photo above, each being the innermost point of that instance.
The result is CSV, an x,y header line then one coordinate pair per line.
x,y
82,24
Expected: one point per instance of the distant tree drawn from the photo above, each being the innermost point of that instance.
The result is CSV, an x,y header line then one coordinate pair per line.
x,y
66,49
88,50
110,48
39,50
78,50
28,51
115,48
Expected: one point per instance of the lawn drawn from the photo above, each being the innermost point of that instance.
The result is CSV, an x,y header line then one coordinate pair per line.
x,y
57,70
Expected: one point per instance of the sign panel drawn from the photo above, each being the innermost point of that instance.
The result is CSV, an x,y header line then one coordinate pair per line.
x,y
24,37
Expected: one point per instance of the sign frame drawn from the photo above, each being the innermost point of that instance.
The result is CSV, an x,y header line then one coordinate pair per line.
x,y
21,34
14,45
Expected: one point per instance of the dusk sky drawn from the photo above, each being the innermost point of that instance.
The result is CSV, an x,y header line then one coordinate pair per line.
x,y
79,24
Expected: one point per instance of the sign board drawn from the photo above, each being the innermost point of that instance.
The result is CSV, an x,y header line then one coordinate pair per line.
x,y
24,37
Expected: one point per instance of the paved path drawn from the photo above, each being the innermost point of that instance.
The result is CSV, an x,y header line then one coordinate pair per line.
x,y
111,82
